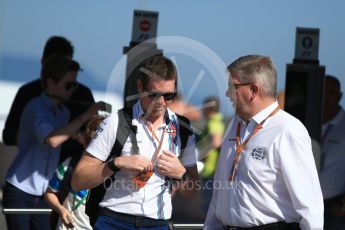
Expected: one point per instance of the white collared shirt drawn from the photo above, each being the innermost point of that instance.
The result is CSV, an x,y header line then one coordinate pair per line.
x,y
277,178
154,199
333,154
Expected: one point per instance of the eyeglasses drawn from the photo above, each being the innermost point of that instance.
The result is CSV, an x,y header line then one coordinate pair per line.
x,y
236,86
157,95
71,85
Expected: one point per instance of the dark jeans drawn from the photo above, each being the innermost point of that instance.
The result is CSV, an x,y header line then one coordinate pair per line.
x,y
109,223
16,198
207,193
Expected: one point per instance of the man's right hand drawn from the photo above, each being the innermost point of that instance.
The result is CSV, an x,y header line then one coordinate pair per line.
x,y
136,163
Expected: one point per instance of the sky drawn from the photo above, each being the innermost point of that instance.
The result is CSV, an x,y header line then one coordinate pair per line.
x,y
201,36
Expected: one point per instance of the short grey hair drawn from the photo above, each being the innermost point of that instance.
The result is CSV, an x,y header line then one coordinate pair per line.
x,y
258,69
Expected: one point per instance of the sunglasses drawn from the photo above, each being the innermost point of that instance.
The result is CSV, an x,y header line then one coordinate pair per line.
x,y
157,95
71,85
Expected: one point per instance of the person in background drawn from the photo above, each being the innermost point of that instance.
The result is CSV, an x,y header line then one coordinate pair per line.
x,y
266,175
181,107
71,208
77,104
333,155
44,126
315,145
211,137
209,143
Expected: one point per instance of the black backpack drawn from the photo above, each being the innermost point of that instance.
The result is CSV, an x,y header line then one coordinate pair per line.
x,y
124,130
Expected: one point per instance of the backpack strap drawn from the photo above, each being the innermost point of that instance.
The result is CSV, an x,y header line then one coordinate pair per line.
x,y
185,130
124,130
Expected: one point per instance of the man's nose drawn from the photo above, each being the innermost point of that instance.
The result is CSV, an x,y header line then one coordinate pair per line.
x,y
227,93
160,99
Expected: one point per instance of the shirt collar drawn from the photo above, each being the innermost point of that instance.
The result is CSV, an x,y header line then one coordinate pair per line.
x,y
140,113
263,114
48,102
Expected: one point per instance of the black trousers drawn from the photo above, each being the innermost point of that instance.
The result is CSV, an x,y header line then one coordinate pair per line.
x,y
16,198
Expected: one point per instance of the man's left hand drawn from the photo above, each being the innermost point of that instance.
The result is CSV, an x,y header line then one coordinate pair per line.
x,y
169,165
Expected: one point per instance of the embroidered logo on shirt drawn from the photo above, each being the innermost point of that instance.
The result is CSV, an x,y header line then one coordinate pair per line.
x,y
259,153
99,130
171,130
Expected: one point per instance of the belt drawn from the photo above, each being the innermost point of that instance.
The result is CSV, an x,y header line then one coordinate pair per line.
x,y
273,226
138,221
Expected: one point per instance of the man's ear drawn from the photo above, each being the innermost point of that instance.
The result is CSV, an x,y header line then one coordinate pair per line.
x,y
50,83
340,96
255,89
140,86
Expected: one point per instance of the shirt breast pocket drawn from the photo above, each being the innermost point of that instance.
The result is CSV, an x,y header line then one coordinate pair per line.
x,y
257,158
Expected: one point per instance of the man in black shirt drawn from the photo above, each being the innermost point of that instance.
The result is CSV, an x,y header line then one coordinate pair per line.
x,y
81,99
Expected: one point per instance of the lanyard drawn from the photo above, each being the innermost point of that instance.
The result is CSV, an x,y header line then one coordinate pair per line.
x,y
240,146
141,179
148,126
80,202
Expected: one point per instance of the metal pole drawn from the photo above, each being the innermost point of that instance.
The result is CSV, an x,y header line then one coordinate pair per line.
x,y
188,226
26,211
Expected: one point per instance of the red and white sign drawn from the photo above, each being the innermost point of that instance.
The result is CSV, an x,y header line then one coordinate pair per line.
x,y
144,25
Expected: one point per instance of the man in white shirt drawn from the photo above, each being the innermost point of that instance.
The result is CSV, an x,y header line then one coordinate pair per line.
x,y
129,204
266,176
333,156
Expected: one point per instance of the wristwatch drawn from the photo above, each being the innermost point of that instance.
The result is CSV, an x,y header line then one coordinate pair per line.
x,y
111,165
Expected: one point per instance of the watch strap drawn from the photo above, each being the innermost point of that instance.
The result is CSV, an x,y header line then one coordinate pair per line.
x,y
111,165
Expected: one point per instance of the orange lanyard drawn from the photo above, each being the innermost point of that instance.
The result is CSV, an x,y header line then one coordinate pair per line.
x,y
141,178
240,146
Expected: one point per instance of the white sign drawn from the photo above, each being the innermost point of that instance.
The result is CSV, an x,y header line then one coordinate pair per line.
x,y
307,43
144,25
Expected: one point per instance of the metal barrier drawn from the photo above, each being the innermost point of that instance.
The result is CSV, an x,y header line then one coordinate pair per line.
x,y
187,226
26,211
48,211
